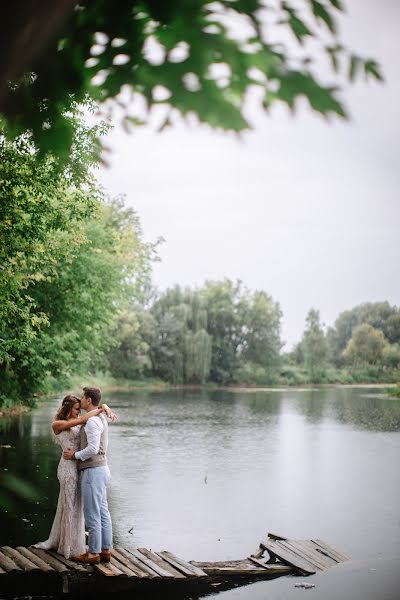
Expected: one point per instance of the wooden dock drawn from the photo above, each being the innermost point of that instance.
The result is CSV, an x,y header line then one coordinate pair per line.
x,y
31,571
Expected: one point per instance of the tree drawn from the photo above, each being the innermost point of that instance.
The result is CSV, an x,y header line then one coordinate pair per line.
x,y
67,258
194,58
262,342
224,303
129,356
314,345
380,315
181,349
365,346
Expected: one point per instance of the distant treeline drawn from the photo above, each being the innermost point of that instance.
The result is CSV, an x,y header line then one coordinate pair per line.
x,y
76,297
223,333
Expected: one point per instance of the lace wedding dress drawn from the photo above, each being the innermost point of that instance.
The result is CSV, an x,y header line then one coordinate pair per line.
x,y
67,535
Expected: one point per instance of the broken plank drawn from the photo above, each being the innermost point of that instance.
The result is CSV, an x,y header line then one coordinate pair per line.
x,y
304,551
335,554
258,562
290,557
275,536
161,563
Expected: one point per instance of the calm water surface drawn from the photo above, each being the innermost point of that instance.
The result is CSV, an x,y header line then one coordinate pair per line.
x,y
208,474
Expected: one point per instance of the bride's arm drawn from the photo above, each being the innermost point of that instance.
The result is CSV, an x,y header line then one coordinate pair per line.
x,y
59,426
110,414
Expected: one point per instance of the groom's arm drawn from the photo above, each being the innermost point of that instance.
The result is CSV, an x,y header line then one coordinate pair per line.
x,y
93,429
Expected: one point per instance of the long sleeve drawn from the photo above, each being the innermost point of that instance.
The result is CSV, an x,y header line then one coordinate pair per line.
x,y
93,429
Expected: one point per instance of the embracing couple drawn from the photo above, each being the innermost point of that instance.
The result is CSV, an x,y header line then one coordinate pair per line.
x,y
83,474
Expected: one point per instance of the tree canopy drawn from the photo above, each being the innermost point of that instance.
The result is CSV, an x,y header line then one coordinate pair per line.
x,y
195,58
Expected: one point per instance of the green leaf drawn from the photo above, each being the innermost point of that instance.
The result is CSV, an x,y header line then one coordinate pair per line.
x,y
298,27
355,63
321,13
321,99
373,69
332,52
337,4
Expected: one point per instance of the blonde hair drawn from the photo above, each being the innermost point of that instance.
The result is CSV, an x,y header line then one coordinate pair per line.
x,y
65,409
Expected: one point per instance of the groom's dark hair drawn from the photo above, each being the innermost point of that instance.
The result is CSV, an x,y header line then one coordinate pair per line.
x,y
94,394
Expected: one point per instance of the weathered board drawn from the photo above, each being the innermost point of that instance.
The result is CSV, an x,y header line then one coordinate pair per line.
x,y
307,556
34,571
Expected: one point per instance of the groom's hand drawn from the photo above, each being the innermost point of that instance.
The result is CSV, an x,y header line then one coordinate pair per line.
x,y
68,454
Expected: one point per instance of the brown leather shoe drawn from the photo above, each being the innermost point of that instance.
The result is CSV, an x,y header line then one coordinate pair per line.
x,y
105,556
86,559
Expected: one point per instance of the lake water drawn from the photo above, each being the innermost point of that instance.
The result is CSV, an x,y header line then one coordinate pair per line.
x,y
208,474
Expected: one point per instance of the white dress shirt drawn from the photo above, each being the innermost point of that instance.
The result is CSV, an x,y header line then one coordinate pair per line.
x,y
94,428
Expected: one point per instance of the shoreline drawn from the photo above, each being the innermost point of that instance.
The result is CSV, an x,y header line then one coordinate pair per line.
x,y
19,409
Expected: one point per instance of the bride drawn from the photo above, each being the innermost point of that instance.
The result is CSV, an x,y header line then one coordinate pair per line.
x,y
67,535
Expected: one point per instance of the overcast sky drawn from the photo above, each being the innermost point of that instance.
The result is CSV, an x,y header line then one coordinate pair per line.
x,y
304,209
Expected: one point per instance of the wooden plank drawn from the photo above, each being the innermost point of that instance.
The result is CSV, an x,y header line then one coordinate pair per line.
x,y
161,563
290,557
186,568
69,563
147,572
271,536
104,569
332,552
329,561
43,566
149,563
258,562
124,560
8,564
293,546
301,548
242,567
53,562
275,536
19,559
116,571
122,567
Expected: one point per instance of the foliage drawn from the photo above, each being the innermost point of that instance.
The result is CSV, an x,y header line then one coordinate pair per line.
x,y
225,305
313,345
181,348
129,356
67,258
217,333
380,315
365,346
194,58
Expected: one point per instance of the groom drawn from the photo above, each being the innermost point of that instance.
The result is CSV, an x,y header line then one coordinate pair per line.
x,y
95,475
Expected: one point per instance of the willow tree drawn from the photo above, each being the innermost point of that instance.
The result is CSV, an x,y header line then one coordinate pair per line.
x,y
314,345
194,58
181,349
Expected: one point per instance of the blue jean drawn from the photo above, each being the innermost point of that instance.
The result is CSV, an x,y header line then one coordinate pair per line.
x,y
94,482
